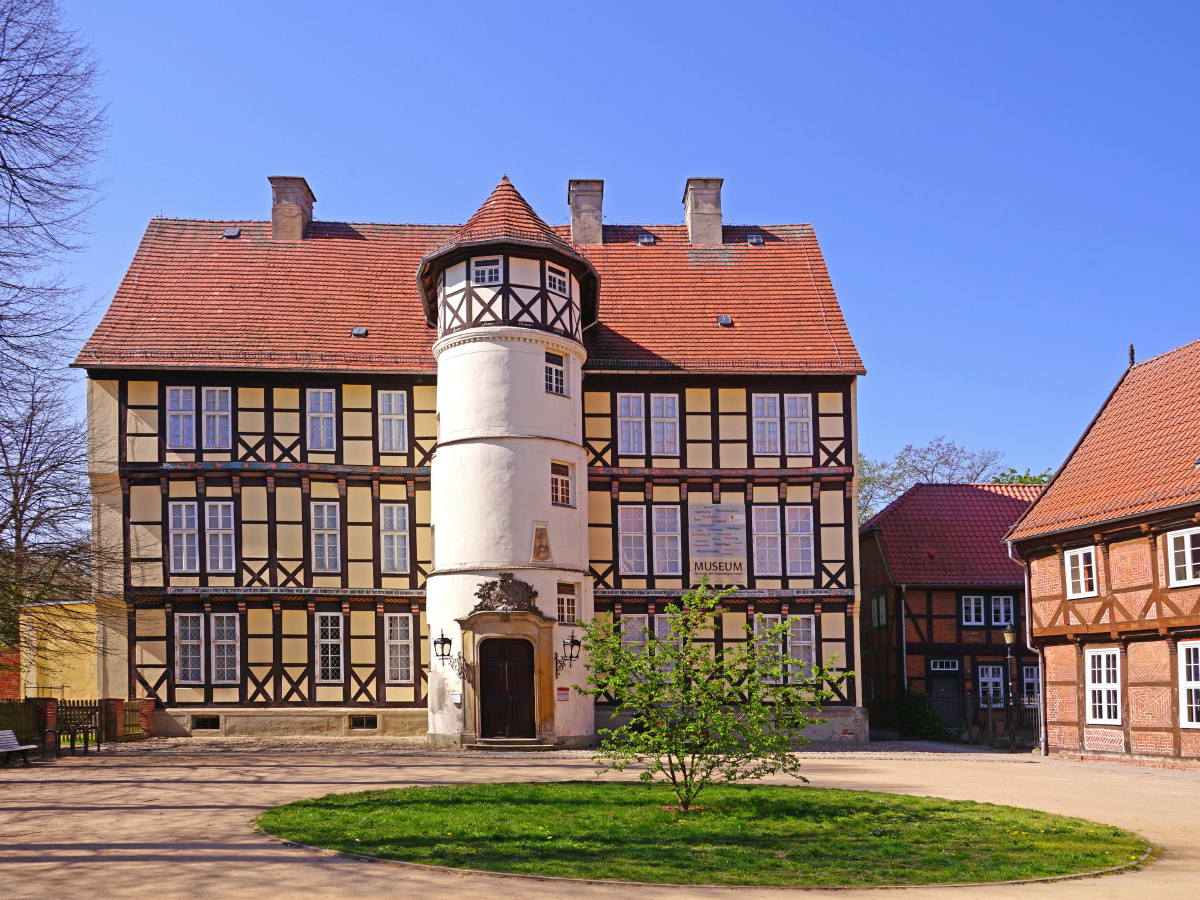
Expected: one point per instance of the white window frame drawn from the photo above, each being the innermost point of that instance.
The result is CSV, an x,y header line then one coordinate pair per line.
x,y
322,642
766,541
764,622
802,646
221,549
879,610
635,631
664,424
324,419
393,421
973,610
631,425
197,643
553,274
1189,684
493,271
668,544
184,536
322,533
220,414
1031,676
1103,697
556,373
398,650
219,642
801,550
943,665
634,540
1004,606
991,684
568,603
766,424
393,538
1074,560
181,411
797,429
561,489
1190,539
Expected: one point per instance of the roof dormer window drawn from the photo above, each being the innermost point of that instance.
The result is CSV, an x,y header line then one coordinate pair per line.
x,y
485,271
556,280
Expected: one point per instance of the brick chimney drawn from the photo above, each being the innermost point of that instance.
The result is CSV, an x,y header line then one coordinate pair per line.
x,y
702,210
291,207
586,199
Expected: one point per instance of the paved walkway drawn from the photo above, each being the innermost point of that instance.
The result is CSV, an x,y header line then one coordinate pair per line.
x,y
176,824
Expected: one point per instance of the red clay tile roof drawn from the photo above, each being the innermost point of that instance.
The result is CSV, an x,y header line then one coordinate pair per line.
x,y
192,298
952,533
507,214
1139,454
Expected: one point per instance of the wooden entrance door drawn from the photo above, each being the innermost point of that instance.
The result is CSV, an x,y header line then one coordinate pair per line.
x,y
506,688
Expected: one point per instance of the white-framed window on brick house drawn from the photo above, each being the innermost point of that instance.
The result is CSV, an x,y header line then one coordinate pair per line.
x,y
797,428
664,424
1002,610
181,418
1189,684
766,423
189,648
398,645
226,648
568,605
556,374
1184,550
635,631
556,280
486,270
991,685
326,538
1081,572
321,428
216,412
184,548
767,558
630,424
329,647
764,622
799,540
393,422
878,610
393,537
1103,668
560,483
632,537
668,559
218,530
972,610
802,645
1032,683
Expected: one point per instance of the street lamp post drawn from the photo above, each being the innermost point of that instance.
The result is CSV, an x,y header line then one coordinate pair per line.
x,y
1010,635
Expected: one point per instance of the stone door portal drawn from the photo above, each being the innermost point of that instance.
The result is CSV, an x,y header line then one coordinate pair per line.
x,y
506,691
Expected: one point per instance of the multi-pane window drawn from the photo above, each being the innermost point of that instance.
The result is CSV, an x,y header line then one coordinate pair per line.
x,y
1189,684
630,424
556,374
556,280
635,631
181,417
667,557
798,423
393,422
664,424
766,423
218,527
762,624
972,610
329,647
799,540
216,418
802,645
393,533
398,643
485,271
632,536
943,665
767,558
1104,687
1081,572
184,555
1185,556
1033,684
991,685
320,420
225,648
189,648
879,610
567,609
326,538
560,484
1002,610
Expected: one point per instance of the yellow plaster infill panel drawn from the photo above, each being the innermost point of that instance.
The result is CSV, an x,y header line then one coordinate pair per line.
x,y
697,400
151,623
220,580
399,584
631,462
423,544
356,396
329,693
399,693
362,623
597,402
358,504
732,497
258,621
702,498
254,541
831,427
599,508
699,428
833,543
321,457
800,584
289,541
287,422
733,456
189,695
832,508
665,463
829,403
251,420
362,651
145,541
766,462
251,398
225,695
799,493
799,462
600,544
669,584
218,491
142,393
361,574
391,491
768,583
732,624
216,457
731,400
356,424
699,456
631,497
324,490
288,502
836,649
172,456
151,652
103,414
285,398
145,574
764,493
145,503
295,621
733,428
358,453
329,581
295,651
254,503
666,493
425,425
833,626
634,584
185,581
424,499
142,449
425,397
142,421
597,427
181,489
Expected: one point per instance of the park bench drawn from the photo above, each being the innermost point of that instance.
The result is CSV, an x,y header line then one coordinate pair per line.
x,y
9,746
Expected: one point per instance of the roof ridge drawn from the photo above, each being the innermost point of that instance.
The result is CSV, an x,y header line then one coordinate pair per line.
x,y
1165,353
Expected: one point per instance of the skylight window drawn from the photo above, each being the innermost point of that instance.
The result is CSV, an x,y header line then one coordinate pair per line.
x,y
725,321
646,240
754,240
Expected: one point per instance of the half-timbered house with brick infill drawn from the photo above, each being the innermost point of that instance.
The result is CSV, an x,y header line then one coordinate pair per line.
x,y
1113,550
376,475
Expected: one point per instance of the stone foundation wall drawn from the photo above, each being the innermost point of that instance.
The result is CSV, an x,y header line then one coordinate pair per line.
x,y
330,721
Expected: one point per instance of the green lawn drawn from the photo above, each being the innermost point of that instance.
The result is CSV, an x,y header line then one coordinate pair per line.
x,y
755,834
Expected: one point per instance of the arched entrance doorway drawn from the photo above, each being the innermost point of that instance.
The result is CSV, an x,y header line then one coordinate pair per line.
x,y
506,688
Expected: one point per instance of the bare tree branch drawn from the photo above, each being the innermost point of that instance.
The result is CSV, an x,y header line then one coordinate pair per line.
x,y
938,462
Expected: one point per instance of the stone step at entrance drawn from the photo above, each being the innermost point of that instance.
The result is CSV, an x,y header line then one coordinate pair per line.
x,y
522,745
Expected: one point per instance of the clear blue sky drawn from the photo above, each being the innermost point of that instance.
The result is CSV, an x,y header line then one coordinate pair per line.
x,y
1006,194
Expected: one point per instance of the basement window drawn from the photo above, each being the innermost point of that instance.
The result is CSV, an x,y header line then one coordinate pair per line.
x,y
364,723
206,723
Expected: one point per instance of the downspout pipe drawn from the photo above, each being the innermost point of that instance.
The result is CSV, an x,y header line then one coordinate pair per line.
x,y
1043,735
903,639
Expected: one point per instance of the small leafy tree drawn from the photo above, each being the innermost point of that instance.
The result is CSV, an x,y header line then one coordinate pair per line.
x,y
698,717
1012,476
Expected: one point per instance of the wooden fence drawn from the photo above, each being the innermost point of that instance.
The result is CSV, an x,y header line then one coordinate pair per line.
x,y
17,716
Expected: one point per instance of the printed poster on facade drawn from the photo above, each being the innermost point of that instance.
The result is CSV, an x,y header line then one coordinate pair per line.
x,y
717,542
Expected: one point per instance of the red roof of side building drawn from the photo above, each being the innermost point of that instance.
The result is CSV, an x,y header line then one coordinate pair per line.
x,y
192,298
1139,455
952,534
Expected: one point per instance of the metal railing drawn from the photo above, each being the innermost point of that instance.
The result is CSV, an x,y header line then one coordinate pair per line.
x,y
988,721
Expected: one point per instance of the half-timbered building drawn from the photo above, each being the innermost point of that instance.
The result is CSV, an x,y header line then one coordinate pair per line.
x,y
375,476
